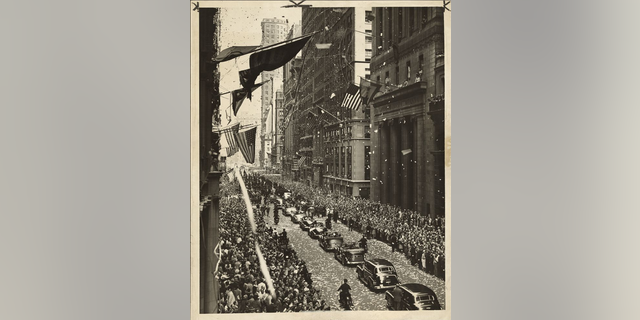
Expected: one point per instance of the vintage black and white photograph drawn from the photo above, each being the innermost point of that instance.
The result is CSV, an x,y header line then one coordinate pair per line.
x,y
320,157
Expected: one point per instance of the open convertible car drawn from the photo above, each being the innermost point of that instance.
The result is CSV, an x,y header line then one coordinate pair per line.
x,y
331,241
317,230
306,223
290,211
296,218
349,254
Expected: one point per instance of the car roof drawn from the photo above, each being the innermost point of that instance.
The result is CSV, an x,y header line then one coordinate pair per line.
x,y
379,261
417,288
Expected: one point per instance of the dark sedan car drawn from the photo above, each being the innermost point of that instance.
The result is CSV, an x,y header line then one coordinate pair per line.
x,y
413,296
377,274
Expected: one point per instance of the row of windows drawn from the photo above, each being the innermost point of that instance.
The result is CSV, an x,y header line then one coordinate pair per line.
x,y
404,77
336,133
403,19
336,168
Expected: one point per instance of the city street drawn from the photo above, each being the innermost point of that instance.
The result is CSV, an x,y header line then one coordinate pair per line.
x,y
328,273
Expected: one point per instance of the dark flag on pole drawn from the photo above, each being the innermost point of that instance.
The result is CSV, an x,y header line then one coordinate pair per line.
x,y
246,141
233,52
237,97
352,98
269,60
368,90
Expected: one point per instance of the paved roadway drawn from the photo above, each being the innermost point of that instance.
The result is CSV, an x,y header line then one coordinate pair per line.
x,y
328,273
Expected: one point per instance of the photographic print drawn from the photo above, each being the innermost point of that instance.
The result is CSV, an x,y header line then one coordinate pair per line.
x,y
320,158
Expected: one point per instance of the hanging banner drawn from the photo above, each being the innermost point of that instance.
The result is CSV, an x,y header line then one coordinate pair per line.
x,y
269,60
233,52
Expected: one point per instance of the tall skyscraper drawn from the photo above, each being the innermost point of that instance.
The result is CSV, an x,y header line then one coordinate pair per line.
x,y
273,30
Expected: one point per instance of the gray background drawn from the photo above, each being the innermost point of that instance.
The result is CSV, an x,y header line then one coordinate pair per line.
x,y
94,130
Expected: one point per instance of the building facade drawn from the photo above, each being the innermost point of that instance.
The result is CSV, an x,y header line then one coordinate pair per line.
x,y
407,116
290,77
331,144
274,30
209,150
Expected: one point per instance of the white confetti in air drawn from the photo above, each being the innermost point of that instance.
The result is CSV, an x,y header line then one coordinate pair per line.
x,y
218,256
265,271
247,202
332,95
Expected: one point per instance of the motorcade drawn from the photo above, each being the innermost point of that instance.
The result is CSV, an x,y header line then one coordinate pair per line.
x,y
413,296
317,230
349,254
377,274
330,241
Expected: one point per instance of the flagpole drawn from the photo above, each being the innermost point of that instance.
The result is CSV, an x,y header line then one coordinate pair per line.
x,y
259,84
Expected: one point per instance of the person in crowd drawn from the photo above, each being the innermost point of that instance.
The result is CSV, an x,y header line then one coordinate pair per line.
x,y
363,242
397,296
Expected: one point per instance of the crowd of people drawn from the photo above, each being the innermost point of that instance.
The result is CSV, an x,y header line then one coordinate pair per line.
x,y
243,288
420,238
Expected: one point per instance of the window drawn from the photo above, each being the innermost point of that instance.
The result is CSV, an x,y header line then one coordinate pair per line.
x,y
400,22
412,26
379,29
367,161
425,12
408,70
389,27
397,75
367,132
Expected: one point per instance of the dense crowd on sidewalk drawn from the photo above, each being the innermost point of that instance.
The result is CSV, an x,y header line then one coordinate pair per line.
x,y
243,287
420,238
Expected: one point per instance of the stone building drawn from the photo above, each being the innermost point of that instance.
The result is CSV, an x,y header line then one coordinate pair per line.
x,y
209,151
333,141
408,114
290,77
274,30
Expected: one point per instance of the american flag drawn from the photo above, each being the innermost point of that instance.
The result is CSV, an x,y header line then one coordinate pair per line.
x,y
302,160
230,135
352,99
247,143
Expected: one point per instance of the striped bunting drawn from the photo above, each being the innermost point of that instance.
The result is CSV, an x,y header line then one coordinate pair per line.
x,y
352,99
